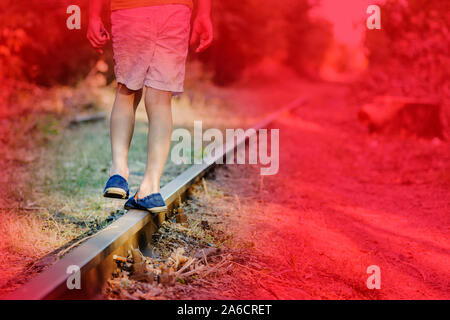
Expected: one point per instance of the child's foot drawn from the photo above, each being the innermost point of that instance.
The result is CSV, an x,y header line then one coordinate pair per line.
x,y
153,203
116,187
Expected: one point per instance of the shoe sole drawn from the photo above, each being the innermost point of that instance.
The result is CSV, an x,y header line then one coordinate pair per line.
x,y
115,193
151,210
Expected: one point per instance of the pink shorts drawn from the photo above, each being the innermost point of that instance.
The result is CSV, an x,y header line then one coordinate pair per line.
x,y
150,46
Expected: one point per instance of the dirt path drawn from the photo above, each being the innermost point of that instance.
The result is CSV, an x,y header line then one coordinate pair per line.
x,y
342,201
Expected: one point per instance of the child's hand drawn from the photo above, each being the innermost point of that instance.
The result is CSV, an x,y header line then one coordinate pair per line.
x,y
203,31
97,34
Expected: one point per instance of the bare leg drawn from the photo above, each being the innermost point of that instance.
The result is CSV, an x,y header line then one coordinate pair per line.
x,y
158,104
122,128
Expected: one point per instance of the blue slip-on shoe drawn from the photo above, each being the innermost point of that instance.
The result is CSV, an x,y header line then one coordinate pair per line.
x,y
116,187
153,203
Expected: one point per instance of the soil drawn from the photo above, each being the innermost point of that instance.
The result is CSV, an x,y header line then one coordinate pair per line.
x,y
342,201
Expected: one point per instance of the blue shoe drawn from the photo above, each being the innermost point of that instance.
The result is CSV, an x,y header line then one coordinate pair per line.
x,y
153,203
116,187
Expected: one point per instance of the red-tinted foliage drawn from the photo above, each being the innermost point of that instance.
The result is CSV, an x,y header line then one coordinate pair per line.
x,y
411,53
248,31
36,46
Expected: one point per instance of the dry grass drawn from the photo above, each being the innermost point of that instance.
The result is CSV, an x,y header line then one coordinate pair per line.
x,y
29,235
24,238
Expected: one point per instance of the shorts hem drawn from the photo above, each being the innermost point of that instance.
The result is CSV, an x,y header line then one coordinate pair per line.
x,y
159,85
130,86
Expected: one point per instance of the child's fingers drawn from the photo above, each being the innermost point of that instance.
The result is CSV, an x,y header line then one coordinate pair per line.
x,y
93,43
202,48
205,41
105,34
94,39
97,47
97,42
102,39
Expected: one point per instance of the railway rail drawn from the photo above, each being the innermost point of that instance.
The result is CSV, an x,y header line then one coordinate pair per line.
x,y
94,257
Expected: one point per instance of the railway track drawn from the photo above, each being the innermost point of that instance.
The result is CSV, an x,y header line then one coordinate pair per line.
x,y
94,256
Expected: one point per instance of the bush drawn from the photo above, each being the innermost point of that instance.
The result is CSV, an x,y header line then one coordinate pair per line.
x,y
410,55
36,46
249,30
412,48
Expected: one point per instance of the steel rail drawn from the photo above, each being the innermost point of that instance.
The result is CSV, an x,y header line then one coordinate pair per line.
x,y
93,257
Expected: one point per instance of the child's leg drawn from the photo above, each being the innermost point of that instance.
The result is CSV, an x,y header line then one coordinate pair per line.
x,y
158,104
122,127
